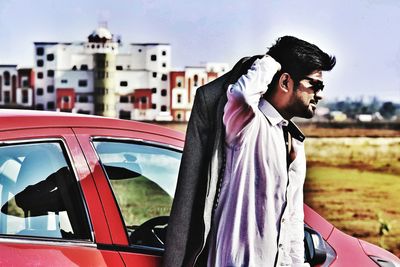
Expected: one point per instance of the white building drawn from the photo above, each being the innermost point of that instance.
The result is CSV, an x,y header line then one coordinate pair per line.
x,y
16,86
105,77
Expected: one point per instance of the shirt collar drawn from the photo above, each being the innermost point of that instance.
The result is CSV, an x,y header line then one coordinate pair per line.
x,y
275,118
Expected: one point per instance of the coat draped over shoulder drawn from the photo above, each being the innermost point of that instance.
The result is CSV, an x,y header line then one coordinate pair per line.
x,y
200,171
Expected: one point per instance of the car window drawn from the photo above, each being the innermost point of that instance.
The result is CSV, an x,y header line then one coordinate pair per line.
x,y
39,195
143,178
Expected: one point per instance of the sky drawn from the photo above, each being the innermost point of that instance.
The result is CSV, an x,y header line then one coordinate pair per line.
x,y
364,35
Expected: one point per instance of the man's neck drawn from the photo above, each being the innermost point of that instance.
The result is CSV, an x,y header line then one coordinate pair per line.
x,y
277,103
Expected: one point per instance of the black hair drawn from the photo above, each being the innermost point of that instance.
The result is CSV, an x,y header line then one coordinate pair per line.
x,y
299,58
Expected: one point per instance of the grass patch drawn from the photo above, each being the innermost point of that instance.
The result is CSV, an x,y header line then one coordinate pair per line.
x,y
140,199
373,154
354,200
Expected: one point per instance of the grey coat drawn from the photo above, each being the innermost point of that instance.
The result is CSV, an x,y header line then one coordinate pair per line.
x,y
200,173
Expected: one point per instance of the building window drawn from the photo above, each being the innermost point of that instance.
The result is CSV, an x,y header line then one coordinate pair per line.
x,y
123,83
179,116
164,53
100,90
39,91
84,67
100,106
7,97
25,83
39,107
164,65
82,83
50,89
40,51
74,68
119,67
50,57
140,50
179,100
65,99
124,99
50,73
195,79
6,78
39,63
64,81
164,77
164,92
39,75
81,111
25,96
50,105
154,74
143,100
101,63
163,108
154,90
153,57
83,99
179,84
101,75
125,115
154,106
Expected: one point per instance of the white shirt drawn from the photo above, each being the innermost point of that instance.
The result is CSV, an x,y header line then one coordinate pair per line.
x,y
259,218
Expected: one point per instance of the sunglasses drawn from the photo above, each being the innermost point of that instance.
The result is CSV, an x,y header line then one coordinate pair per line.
x,y
316,85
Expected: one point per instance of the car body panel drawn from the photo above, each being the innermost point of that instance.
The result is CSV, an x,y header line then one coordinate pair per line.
x,y
349,251
110,246
316,221
373,250
42,254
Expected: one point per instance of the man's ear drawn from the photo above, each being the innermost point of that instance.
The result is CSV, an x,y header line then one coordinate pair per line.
x,y
285,82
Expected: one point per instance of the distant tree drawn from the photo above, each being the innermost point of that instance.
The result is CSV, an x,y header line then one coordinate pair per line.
x,y
387,110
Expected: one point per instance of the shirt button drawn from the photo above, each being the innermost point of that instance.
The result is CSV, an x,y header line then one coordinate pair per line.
x,y
280,245
283,220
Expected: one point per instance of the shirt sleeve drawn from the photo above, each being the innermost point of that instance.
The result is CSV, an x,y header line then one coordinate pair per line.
x,y
244,96
297,231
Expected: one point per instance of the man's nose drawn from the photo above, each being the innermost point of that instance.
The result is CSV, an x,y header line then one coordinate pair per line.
x,y
319,95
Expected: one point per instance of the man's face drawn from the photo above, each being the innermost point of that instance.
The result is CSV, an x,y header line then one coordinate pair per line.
x,y
306,96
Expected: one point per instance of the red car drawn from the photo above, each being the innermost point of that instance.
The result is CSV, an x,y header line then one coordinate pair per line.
x,y
79,190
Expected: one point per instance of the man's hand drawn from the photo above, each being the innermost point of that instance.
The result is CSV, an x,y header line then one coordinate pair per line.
x,y
269,67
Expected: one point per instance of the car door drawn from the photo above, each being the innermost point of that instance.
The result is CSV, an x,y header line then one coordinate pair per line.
x,y
135,173
51,213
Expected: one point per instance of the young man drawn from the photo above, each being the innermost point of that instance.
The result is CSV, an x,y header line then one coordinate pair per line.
x,y
239,199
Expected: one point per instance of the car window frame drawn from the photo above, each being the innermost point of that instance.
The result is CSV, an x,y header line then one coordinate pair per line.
x,y
137,141
70,163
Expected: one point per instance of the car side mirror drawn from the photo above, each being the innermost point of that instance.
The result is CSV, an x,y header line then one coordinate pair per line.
x,y
315,249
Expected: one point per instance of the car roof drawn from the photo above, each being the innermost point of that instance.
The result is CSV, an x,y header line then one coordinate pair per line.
x,y
13,119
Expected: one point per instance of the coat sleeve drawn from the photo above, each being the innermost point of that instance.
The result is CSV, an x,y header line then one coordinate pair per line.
x,y
244,96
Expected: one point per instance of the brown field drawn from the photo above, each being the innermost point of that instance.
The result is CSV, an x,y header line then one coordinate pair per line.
x,y
311,130
353,180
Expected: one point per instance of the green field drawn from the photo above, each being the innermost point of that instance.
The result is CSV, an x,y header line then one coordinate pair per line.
x,y
140,199
354,183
